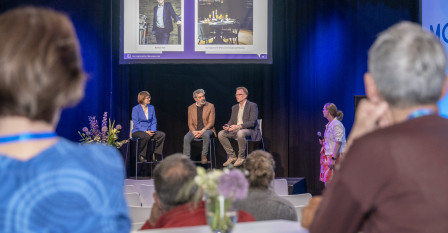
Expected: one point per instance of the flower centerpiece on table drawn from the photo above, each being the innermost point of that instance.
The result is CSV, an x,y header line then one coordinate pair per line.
x,y
107,134
222,188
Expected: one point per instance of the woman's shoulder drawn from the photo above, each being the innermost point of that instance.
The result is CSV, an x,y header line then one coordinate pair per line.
x,y
336,122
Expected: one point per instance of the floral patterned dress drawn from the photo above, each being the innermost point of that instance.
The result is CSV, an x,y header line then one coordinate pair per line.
x,y
334,132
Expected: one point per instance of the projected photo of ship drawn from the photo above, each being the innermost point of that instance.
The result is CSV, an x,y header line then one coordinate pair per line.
x,y
225,22
160,22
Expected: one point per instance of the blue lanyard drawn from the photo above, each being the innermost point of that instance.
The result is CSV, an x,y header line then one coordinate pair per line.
x,y
420,112
23,137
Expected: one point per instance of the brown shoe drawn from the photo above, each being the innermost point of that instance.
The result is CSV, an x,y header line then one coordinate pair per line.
x,y
229,161
204,159
238,162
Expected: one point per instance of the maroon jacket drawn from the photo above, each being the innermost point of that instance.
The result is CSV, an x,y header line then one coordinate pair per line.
x,y
392,180
186,216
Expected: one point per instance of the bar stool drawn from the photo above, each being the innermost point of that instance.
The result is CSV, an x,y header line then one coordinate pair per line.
x,y
249,139
211,152
133,146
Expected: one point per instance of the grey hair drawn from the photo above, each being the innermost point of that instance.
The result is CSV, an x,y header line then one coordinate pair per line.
x,y
172,177
244,90
408,65
197,92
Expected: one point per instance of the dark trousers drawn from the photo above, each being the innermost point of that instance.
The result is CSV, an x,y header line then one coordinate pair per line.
x,y
144,140
162,35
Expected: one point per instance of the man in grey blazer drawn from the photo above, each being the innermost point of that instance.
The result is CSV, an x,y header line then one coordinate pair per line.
x,y
242,124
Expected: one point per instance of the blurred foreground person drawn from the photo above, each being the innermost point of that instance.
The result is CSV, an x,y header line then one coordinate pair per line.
x,y
50,184
262,202
173,206
393,178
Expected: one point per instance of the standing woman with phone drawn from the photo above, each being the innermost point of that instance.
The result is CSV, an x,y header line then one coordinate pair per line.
x,y
145,128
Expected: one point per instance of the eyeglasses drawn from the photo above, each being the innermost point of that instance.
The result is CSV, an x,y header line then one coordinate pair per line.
x,y
239,94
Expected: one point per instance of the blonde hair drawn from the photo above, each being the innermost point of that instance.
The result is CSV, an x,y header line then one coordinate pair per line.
x,y
142,95
260,165
333,110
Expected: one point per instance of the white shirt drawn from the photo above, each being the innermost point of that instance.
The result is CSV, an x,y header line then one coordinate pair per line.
x,y
159,20
240,113
146,113
334,132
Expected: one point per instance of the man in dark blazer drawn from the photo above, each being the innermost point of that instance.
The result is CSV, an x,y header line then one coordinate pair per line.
x,y
201,121
242,124
162,24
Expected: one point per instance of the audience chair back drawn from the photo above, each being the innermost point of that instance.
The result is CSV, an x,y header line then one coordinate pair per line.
x,y
298,199
280,186
138,183
146,194
130,189
133,199
139,215
299,212
136,226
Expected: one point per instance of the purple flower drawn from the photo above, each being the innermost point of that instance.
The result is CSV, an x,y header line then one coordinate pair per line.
x,y
93,125
104,122
104,128
85,130
233,184
88,133
118,127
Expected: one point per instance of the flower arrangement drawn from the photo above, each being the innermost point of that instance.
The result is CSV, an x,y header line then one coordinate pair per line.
x,y
221,189
108,133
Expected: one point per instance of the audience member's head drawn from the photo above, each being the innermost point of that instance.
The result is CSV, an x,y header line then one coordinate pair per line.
x,y
40,63
171,178
408,65
260,165
333,110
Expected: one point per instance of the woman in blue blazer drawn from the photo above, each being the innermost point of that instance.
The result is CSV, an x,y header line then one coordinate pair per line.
x,y
145,127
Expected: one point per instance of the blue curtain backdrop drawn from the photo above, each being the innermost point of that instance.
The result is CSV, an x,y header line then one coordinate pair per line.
x,y
319,56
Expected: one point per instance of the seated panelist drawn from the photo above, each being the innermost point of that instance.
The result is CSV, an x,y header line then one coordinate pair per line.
x,y
241,125
145,128
201,118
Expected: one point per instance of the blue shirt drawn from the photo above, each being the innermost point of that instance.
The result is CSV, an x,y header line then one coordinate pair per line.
x,y
160,23
139,119
66,188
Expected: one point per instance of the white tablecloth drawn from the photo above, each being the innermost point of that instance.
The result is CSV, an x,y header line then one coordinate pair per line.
x,y
274,226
